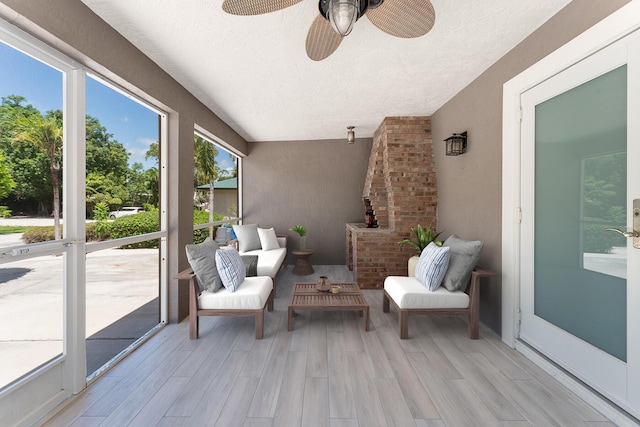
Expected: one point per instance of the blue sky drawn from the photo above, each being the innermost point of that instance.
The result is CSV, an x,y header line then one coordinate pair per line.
x,y
131,124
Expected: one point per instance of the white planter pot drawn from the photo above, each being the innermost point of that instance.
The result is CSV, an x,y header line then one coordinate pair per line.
x,y
411,265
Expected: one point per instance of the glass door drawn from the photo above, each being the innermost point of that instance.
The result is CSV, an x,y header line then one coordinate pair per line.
x,y
31,183
579,276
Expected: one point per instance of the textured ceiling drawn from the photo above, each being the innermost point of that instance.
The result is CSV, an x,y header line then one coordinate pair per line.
x,y
253,71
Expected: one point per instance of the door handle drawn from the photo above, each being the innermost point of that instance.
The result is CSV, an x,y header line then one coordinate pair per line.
x,y
624,233
636,225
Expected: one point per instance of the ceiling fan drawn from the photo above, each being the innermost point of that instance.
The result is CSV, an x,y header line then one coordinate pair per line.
x,y
400,18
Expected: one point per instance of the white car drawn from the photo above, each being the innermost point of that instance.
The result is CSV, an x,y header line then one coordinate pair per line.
x,y
127,210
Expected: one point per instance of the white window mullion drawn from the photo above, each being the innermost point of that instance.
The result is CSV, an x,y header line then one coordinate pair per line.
x,y
74,230
163,136
240,188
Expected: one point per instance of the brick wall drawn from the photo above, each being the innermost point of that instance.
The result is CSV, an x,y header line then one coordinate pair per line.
x,y
401,187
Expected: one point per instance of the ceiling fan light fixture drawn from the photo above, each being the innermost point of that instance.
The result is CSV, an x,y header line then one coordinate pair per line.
x,y
343,14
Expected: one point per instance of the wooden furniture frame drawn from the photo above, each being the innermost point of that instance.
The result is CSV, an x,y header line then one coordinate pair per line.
x,y
195,312
304,296
472,310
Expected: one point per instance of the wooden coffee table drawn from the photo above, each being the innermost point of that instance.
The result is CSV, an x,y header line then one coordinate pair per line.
x,y
304,296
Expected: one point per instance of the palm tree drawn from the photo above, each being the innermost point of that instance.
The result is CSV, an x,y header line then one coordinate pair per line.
x,y
46,134
204,158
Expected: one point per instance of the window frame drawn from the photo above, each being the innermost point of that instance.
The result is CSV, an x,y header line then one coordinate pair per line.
x,y
37,392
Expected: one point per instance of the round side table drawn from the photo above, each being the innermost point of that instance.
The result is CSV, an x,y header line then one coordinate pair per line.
x,y
302,267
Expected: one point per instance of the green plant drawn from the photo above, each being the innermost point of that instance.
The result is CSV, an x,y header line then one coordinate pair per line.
x,y
129,225
134,225
299,229
39,234
5,212
92,235
101,215
423,237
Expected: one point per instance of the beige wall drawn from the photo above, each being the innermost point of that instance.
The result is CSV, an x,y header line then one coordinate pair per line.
x,y
72,28
317,184
469,186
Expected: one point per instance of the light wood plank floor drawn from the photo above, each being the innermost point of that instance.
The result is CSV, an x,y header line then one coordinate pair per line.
x,y
327,372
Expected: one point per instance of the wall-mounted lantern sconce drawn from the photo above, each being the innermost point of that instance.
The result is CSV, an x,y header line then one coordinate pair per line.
x,y
351,135
456,144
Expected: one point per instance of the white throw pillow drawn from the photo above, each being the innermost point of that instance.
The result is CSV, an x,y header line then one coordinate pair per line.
x,y
268,239
432,266
230,268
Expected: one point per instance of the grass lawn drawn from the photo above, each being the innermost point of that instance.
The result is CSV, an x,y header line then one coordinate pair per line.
x,y
11,229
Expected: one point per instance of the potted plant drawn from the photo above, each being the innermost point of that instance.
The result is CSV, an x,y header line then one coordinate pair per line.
x,y
423,238
303,233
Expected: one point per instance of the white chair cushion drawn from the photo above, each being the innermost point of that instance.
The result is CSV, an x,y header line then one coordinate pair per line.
x,y
252,294
268,261
408,292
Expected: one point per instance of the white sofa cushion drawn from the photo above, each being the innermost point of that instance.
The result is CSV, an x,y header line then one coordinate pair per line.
x,y
269,262
408,292
252,294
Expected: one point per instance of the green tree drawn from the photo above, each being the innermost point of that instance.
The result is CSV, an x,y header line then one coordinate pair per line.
x,y
138,185
107,189
28,165
105,155
206,170
151,175
6,181
152,182
153,152
46,134
108,176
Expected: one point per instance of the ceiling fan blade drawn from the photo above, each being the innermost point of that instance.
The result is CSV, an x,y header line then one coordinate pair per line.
x,y
403,18
255,7
322,40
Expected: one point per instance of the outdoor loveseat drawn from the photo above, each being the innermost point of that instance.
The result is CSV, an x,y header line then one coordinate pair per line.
x,y
236,280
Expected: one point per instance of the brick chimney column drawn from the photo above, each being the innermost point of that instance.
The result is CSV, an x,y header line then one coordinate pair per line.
x,y
401,186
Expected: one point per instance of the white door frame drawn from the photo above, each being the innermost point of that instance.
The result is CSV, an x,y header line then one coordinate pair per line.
x,y
621,23
42,389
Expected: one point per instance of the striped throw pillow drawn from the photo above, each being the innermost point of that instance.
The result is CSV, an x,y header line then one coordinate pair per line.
x,y
432,266
230,268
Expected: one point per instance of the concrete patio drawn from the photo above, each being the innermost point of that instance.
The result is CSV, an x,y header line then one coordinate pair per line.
x,y
122,304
